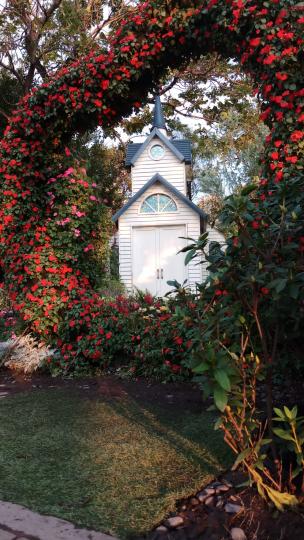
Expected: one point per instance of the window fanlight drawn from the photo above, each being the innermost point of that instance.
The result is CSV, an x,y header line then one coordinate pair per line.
x,y
158,204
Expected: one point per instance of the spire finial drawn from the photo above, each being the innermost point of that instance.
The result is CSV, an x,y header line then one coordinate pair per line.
x,y
158,116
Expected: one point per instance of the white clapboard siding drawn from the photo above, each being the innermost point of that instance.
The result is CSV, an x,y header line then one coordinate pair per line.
x,y
173,170
133,218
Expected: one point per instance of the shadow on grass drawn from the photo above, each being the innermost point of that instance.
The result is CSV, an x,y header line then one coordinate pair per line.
x,y
113,465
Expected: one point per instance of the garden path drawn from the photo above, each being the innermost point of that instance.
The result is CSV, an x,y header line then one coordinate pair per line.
x,y
19,523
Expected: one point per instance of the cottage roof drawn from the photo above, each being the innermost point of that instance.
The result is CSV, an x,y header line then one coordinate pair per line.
x,y
181,148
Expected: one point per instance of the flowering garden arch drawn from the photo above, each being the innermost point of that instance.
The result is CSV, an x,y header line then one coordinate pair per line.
x,y
46,237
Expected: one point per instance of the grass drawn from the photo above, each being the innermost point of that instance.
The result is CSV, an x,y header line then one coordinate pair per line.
x,y
113,466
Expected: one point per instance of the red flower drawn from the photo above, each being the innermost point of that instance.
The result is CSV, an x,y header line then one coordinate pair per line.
x,y
282,76
148,299
255,42
297,136
270,59
264,290
109,335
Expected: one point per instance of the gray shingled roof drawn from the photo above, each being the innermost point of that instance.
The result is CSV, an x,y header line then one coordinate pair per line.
x,y
182,145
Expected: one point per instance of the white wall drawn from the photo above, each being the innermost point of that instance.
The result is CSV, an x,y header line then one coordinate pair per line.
x,y
132,218
169,167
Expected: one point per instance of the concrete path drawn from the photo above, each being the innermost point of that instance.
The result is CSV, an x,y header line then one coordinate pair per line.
x,y
19,523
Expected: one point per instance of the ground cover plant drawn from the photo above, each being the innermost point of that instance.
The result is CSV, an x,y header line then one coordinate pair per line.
x,y
120,463
257,284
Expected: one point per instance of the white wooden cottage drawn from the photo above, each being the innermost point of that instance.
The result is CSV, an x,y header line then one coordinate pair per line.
x,y
152,224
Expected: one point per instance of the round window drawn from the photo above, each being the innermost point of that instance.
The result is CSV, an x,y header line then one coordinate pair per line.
x,y
157,151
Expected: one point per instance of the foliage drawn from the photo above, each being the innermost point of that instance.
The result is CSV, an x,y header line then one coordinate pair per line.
x,y
228,155
39,36
105,166
249,325
291,429
256,285
212,206
144,335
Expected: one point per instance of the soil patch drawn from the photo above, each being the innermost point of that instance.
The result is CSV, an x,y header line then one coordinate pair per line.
x,y
170,396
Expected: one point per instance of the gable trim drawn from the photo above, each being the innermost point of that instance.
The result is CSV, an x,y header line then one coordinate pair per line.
x,y
156,133
158,178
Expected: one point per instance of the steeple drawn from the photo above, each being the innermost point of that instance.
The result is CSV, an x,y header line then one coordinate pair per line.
x,y
158,115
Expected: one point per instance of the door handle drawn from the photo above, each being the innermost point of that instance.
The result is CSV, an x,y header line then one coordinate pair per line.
x,y
162,274
157,273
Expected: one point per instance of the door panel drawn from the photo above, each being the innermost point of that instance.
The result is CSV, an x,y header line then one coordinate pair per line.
x,y
145,252
155,258
171,263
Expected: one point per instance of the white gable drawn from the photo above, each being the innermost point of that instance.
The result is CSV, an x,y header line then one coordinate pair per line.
x,y
133,218
169,166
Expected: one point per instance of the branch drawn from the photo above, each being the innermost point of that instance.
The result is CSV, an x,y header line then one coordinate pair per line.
x,y
12,70
49,11
41,69
4,114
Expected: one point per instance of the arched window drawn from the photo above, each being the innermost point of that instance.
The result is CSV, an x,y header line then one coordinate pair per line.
x,y
158,204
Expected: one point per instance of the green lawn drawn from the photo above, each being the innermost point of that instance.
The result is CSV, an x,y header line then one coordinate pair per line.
x,y
114,466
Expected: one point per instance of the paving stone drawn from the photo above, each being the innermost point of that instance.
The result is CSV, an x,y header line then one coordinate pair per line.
x,y
232,508
237,534
220,502
210,490
28,523
221,488
5,535
210,501
174,522
203,495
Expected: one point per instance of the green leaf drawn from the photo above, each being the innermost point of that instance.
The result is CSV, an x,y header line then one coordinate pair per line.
x,y
202,368
218,424
190,255
174,283
279,413
222,378
187,248
220,398
248,189
241,457
283,434
288,413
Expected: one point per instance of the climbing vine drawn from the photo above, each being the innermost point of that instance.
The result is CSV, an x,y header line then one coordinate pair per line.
x,y
48,232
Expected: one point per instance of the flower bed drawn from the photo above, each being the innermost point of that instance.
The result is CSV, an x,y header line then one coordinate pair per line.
x,y
147,336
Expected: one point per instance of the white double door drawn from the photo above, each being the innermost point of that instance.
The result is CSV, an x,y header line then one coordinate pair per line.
x,y
156,259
